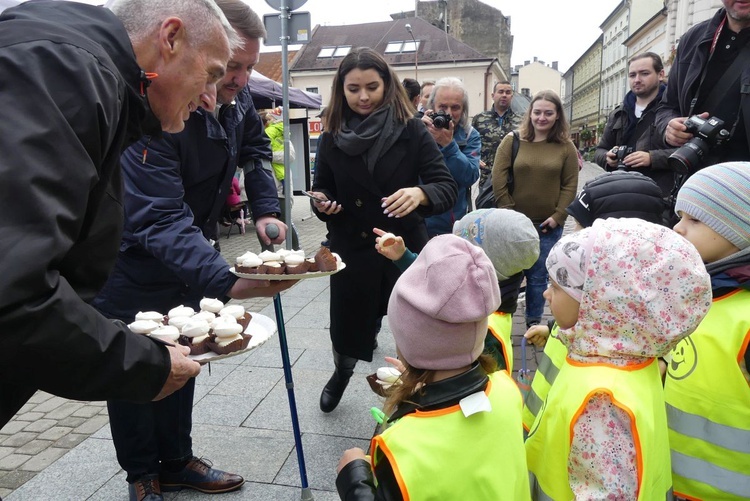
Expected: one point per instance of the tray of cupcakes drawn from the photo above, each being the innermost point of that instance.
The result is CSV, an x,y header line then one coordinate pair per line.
x,y
215,332
287,265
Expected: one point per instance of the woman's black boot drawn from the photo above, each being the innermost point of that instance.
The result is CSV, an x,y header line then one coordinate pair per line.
x,y
334,388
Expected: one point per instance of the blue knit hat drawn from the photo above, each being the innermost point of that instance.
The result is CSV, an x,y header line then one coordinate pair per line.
x,y
719,197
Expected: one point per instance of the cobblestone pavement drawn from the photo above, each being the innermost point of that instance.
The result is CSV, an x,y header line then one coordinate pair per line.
x,y
56,448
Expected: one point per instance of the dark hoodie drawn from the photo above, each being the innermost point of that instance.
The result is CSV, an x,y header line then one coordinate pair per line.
x,y
70,93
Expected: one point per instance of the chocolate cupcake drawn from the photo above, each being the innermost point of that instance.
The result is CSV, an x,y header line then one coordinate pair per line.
x,y
275,268
295,264
228,338
312,266
325,260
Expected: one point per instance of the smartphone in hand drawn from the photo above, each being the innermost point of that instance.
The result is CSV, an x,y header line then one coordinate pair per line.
x,y
317,199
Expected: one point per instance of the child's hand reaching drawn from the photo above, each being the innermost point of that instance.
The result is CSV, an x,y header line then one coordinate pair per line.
x,y
537,335
349,456
389,245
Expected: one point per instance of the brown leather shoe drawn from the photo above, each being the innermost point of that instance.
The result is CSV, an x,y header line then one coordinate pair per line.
x,y
198,474
145,488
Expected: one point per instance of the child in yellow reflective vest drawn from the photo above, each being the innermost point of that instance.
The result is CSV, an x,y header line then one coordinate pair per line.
x,y
511,242
707,388
454,426
623,292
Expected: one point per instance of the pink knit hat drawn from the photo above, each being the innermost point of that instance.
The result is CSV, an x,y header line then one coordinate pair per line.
x,y
439,306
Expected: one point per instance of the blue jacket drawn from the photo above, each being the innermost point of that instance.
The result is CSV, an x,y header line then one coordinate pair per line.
x,y
462,158
172,202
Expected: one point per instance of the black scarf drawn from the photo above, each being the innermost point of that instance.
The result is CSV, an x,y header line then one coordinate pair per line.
x,y
371,137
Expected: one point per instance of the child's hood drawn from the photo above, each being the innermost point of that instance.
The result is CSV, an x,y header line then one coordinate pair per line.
x,y
644,288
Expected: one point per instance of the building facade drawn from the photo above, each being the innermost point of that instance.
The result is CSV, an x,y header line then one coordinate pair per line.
x,y
614,84
537,76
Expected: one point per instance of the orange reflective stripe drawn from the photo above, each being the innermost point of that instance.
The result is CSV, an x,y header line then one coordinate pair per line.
x,y
632,367
506,349
380,444
446,410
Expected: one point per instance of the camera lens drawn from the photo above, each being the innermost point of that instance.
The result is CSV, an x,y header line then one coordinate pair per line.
x,y
689,156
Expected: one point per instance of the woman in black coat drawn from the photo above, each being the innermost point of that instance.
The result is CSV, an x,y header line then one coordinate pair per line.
x,y
375,167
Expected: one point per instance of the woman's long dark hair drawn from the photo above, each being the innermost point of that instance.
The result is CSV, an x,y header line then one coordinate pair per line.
x,y
560,131
394,94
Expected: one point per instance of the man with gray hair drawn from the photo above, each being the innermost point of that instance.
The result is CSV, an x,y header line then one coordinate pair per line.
x,y
78,85
447,119
175,194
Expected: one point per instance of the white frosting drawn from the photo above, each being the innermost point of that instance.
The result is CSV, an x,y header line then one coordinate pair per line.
x,y
233,310
168,333
204,315
251,262
143,326
179,322
154,316
181,311
246,255
273,264
199,339
223,319
294,259
195,328
227,340
212,305
269,256
283,253
227,329
338,258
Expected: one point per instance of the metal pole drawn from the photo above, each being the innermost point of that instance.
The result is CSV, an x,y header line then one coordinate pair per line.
x,y
284,16
416,52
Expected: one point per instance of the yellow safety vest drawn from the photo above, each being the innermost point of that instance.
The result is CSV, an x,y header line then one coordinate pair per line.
x,y
442,454
708,405
635,389
550,362
499,328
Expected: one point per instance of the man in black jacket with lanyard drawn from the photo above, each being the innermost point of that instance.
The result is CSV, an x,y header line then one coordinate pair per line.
x,y
79,83
711,77
175,188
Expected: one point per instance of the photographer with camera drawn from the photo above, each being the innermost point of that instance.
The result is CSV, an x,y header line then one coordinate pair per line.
x,y
630,140
705,108
447,119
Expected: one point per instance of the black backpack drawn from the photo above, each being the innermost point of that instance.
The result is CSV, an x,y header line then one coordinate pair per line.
x,y
486,198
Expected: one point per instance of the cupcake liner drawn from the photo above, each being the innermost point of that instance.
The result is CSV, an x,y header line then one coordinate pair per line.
x,y
297,269
237,345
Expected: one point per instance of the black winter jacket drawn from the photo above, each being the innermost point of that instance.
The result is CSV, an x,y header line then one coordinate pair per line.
x,y
692,57
69,88
650,140
172,202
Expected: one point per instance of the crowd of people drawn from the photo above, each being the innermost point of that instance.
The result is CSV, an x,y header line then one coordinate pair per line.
x,y
643,389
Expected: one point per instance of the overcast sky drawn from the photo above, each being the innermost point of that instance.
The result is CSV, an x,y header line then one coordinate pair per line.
x,y
552,30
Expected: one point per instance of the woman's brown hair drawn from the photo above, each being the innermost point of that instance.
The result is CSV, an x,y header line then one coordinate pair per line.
x,y
560,131
394,94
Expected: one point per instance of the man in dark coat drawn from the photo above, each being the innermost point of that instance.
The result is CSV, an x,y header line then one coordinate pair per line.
x,y
175,188
74,80
704,56
631,124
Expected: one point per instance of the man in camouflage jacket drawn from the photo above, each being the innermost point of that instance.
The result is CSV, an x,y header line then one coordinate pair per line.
x,y
493,125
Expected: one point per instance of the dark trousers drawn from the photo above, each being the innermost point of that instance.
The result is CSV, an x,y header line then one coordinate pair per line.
x,y
147,434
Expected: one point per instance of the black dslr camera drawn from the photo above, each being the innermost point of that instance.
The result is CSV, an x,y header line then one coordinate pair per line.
x,y
620,153
441,119
707,133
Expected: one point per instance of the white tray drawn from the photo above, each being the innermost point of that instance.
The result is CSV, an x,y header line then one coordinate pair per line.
x,y
284,276
260,327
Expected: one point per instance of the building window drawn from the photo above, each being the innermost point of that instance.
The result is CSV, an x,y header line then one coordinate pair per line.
x,y
401,46
337,51
314,90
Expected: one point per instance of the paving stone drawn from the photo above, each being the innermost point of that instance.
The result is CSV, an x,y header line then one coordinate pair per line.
x,y
70,440
72,422
88,411
13,427
19,439
34,447
42,460
91,425
4,451
39,397
40,425
64,410
30,416
55,433
15,479
13,461
50,404
4,492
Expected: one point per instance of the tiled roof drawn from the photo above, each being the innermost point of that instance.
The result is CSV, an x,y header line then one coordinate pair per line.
x,y
435,46
270,64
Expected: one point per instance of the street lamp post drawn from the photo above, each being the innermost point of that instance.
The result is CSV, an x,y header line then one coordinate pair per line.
x,y
416,51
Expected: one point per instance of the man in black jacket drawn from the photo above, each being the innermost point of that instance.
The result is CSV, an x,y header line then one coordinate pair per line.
x,y
175,188
703,80
79,83
631,125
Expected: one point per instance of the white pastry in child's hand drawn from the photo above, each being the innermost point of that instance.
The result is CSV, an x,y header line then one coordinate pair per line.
x,y
387,239
388,374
